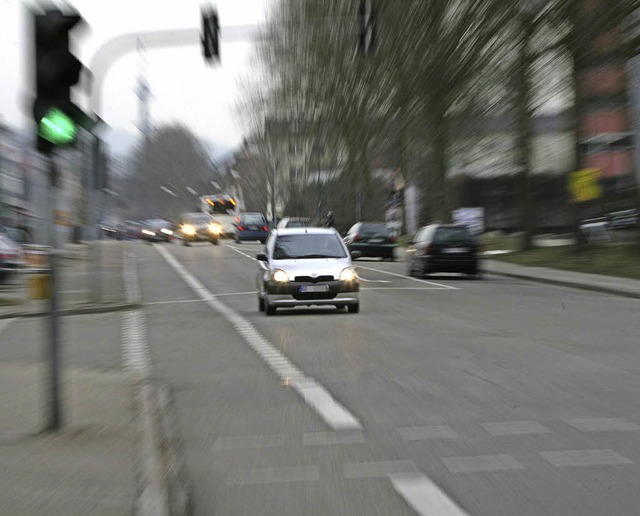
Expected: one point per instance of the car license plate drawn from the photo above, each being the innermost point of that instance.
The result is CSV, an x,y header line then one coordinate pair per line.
x,y
314,288
375,241
253,228
455,250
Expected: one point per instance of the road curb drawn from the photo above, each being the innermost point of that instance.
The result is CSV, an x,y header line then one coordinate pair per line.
x,y
74,311
164,484
570,284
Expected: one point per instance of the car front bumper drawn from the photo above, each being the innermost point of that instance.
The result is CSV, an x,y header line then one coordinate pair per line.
x,y
289,294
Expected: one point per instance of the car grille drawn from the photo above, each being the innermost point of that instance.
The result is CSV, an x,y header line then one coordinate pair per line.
x,y
305,296
309,279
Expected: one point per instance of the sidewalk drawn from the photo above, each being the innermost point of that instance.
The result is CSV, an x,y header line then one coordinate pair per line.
x,y
607,284
74,282
89,466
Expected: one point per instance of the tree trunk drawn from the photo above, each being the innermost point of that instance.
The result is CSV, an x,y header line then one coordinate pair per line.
x,y
525,133
439,192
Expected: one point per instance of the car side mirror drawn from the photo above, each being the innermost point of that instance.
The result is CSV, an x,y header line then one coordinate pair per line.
x,y
356,254
261,257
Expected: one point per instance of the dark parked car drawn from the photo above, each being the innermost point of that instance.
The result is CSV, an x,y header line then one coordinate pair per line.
x,y
372,239
252,226
443,248
157,230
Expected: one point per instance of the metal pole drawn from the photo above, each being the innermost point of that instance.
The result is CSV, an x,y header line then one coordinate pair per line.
x,y
273,195
54,410
95,283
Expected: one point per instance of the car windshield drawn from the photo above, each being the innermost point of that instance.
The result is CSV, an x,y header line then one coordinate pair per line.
x,y
452,235
308,246
297,223
370,230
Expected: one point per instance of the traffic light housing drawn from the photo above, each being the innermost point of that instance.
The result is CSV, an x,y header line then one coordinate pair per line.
x,y
210,35
57,70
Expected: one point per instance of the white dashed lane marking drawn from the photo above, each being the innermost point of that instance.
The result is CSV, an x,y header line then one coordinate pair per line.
x,y
275,475
515,428
250,442
423,433
423,496
577,458
315,395
602,425
481,463
377,469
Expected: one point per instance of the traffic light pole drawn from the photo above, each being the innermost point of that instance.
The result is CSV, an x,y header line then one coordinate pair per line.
x,y
53,409
95,278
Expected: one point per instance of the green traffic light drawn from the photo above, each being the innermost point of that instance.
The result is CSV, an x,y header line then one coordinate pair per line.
x,y
57,127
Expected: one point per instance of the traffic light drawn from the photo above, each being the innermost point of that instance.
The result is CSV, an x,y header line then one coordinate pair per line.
x,y
366,27
56,71
211,35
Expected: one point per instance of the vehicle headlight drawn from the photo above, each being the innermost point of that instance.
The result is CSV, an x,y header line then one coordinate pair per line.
x,y
215,228
166,231
348,274
147,232
280,276
188,229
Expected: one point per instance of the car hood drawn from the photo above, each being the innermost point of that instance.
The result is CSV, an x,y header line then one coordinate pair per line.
x,y
311,266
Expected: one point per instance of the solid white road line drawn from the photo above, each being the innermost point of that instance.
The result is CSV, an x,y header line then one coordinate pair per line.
x,y
449,287
423,496
315,395
240,252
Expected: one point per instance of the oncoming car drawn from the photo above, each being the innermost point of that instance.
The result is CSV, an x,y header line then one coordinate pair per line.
x,y
199,227
306,267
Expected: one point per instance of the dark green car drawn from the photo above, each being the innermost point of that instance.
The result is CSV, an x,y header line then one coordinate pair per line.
x,y
372,240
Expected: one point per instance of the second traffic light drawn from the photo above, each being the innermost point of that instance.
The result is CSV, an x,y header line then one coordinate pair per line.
x,y
210,35
56,71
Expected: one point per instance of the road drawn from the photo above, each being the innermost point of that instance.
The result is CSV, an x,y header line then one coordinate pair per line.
x,y
466,397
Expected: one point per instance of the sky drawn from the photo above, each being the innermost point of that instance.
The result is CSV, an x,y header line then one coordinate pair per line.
x,y
185,89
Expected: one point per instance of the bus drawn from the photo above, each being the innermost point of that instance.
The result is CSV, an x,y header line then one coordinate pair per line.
x,y
224,209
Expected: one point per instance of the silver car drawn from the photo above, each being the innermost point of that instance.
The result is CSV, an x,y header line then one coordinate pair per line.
x,y
305,267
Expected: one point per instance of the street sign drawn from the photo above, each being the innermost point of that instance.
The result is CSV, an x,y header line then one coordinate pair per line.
x,y
473,218
584,185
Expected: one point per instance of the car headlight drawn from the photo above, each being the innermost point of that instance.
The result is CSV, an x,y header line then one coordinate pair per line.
x,y
215,229
188,229
147,232
348,274
166,231
280,276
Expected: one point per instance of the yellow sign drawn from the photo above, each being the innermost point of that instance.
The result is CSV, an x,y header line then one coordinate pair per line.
x,y
584,185
63,218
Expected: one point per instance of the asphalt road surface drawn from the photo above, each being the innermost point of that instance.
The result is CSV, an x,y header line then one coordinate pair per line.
x,y
442,397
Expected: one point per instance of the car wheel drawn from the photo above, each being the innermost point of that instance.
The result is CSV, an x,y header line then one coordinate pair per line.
x,y
214,241
354,309
260,303
269,310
